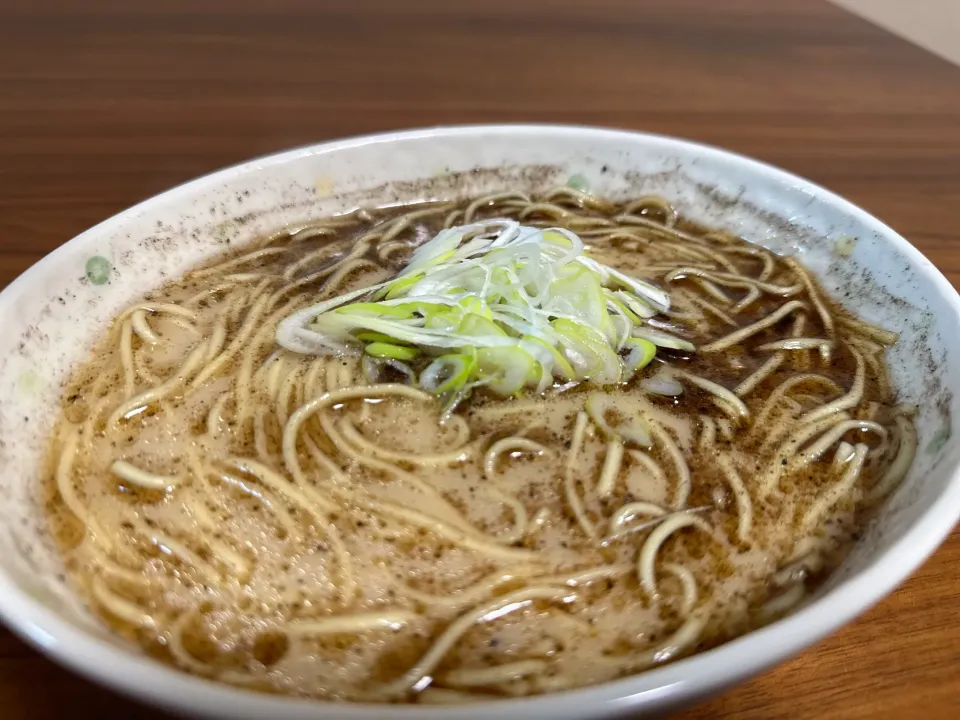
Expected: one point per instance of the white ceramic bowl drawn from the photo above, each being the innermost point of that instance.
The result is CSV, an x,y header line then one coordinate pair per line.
x,y
53,312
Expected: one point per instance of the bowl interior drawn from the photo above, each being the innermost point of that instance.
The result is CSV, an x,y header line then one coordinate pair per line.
x,y
56,310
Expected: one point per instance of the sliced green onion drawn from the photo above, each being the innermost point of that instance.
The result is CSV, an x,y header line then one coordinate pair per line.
x,y
473,325
662,339
636,305
618,303
548,355
370,336
398,286
589,354
641,353
509,369
387,350
448,372
473,304
375,310
526,305
662,385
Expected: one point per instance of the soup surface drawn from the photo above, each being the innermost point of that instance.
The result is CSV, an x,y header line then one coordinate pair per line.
x,y
318,525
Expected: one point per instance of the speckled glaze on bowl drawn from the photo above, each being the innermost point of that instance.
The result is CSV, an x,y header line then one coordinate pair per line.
x,y
54,311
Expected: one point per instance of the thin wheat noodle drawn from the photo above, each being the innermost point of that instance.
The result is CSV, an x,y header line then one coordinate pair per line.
x,y
470,540
138,321
611,468
489,200
662,204
493,675
709,307
573,499
651,465
306,497
126,358
236,262
141,478
209,292
733,280
682,488
786,453
585,577
68,492
812,293
168,308
170,546
554,212
764,256
849,400
260,435
119,607
681,640
510,602
884,337
816,449
246,330
355,623
740,494
521,519
688,584
341,274
648,552
728,402
141,401
580,199
358,250
292,428
215,416
476,592
626,513
894,474
795,344
512,443
840,490
453,457
404,221
742,334
311,382
450,220
217,338
779,393
284,520
708,438
750,383
335,434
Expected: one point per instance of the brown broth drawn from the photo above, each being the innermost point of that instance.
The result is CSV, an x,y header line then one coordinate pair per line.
x,y
215,575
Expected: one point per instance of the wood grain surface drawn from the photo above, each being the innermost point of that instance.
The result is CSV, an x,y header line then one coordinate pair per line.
x,y
104,103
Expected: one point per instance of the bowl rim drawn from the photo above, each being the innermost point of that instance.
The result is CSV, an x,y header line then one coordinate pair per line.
x,y
148,680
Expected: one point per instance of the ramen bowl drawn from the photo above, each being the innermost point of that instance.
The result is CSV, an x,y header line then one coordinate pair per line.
x,y
54,312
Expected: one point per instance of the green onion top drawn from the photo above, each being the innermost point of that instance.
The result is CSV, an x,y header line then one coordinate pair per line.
x,y
499,304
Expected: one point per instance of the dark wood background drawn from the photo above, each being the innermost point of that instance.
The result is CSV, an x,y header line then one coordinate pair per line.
x,y
105,103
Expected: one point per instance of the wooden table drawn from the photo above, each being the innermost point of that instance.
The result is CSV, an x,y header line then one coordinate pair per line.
x,y
104,106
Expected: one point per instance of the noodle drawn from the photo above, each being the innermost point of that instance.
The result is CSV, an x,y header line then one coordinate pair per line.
x,y
505,604
332,521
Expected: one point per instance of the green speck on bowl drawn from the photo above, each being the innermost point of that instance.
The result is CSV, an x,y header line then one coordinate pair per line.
x,y
98,270
940,438
578,182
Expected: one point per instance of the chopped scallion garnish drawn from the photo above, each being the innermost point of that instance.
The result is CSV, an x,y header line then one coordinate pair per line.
x,y
497,304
